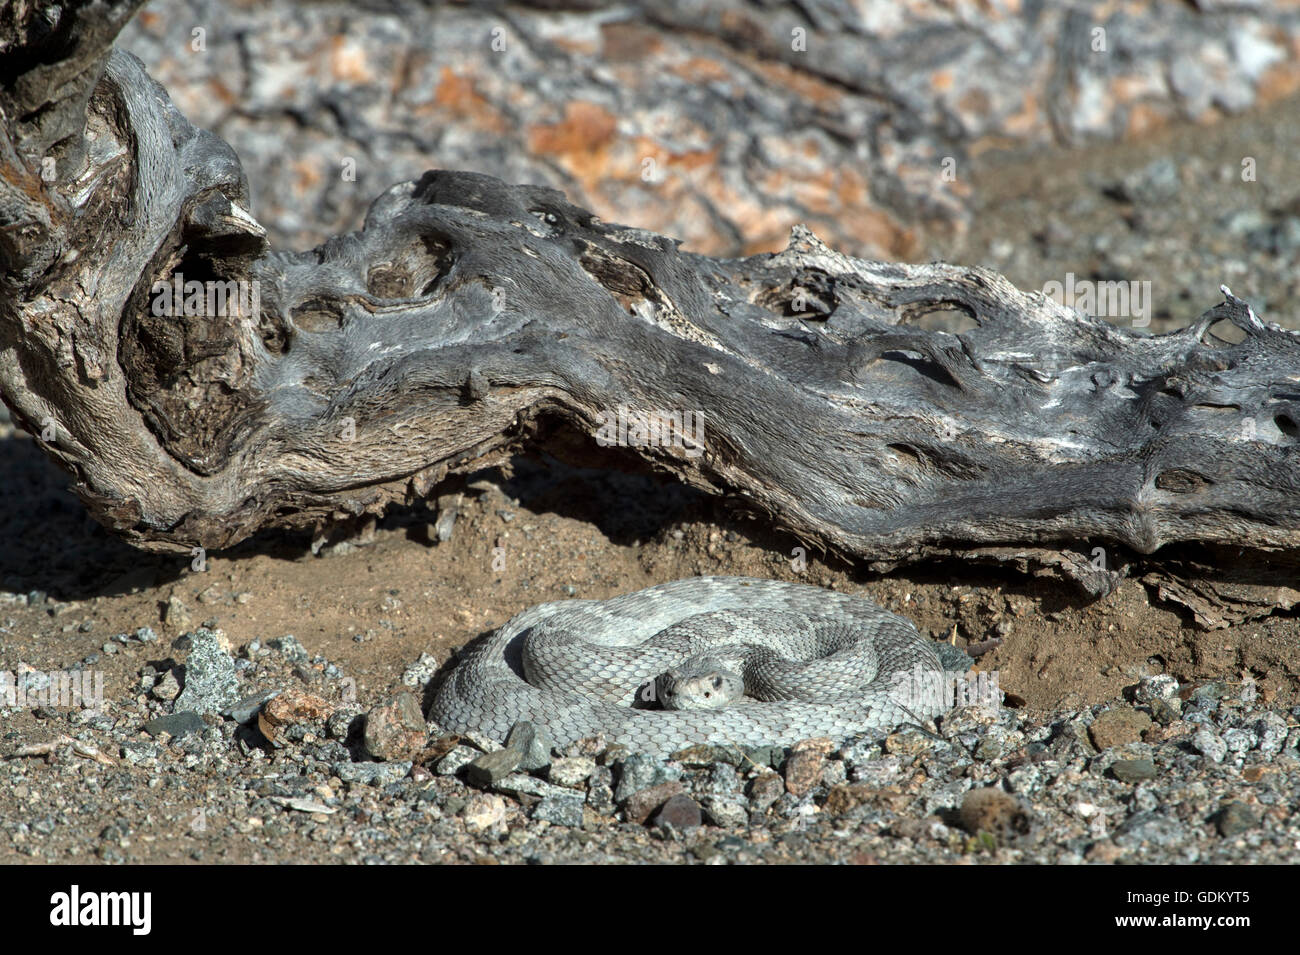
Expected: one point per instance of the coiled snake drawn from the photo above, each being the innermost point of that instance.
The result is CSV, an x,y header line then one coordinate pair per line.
x,y
810,662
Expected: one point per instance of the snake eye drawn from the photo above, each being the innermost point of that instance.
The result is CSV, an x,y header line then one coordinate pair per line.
x,y
717,682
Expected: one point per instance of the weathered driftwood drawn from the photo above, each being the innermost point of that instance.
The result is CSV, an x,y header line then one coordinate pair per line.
x,y
468,315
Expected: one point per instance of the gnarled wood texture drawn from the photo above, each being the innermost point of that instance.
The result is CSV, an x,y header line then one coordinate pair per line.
x,y
467,310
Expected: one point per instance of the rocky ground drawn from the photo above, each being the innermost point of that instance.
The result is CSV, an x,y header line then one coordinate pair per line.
x,y
232,726
1179,774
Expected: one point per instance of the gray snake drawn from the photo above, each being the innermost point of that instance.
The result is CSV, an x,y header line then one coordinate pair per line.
x,y
813,662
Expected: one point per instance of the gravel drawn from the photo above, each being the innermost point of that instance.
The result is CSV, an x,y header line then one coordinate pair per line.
x,y
1220,784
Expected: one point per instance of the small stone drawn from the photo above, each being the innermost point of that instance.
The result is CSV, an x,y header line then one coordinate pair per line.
x,y
340,723
1271,731
176,615
1159,687
176,725
834,772
817,744
764,757
1118,726
289,648
210,680
639,771
600,791
372,774
533,743
847,796
680,812
1152,828
1133,770
483,811
166,689
292,708
722,779
485,744
1166,711
490,768
1238,740
395,729
908,743
455,761
136,752
803,771
643,802
1236,818
571,771
421,671
764,790
246,709
726,809
993,811
1209,744
565,810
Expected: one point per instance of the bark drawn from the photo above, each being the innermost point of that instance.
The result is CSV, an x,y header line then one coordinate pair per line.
x,y
468,318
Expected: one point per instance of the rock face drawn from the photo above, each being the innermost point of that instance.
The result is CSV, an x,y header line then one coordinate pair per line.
x,y
862,125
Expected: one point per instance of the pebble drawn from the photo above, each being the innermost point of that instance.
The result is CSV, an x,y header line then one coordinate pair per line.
x,y
373,774
289,648
1118,726
483,811
1133,770
1149,828
848,796
489,769
167,688
395,730
533,743
421,671
726,810
210,681
571,771
455,760
643,802
908,742
803,771
1159,687
1209,744
517,783
764,790
638,772
600,791
245,710
1235,818
176,725
560,810
680,812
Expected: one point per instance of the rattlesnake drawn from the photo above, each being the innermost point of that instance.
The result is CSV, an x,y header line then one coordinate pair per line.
x,y
582,667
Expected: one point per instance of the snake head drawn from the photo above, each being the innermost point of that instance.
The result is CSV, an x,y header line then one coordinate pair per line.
x,y
698,685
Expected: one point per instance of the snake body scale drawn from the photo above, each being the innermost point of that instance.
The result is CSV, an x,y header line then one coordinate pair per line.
x,y
813,663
